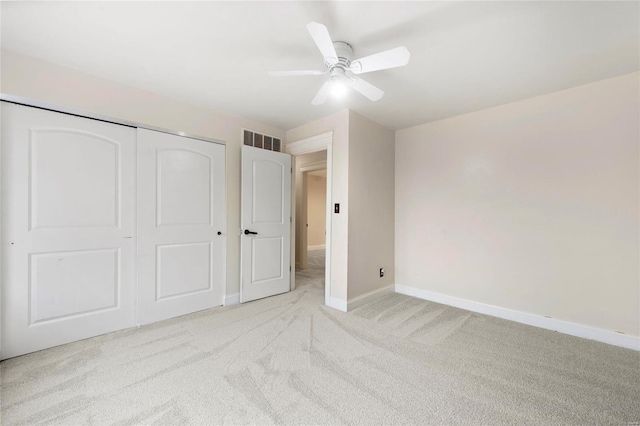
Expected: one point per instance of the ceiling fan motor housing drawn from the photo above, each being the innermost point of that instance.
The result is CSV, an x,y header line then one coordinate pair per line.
x,y
344,51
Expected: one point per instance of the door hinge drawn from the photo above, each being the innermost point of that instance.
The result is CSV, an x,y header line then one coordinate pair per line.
x,y
289,268
290,219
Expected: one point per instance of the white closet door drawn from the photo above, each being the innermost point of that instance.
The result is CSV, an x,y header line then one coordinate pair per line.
x,y
181,240
67,228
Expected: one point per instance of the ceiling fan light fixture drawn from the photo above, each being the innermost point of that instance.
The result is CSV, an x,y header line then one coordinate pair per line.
x,y
338,88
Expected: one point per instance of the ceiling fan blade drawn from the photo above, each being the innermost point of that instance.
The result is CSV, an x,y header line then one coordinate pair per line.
x,y
392,58
321,37
367,89
293,73
322,94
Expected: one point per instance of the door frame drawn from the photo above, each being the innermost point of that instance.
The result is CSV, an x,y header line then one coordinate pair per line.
x,y
321,142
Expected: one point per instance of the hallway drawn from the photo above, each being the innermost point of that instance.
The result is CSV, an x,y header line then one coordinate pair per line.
x,y
312,278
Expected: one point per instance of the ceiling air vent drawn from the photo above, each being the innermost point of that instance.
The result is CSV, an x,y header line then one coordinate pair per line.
x,y
258,140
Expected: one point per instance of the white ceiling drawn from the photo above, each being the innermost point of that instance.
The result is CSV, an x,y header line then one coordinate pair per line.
x,y
465,56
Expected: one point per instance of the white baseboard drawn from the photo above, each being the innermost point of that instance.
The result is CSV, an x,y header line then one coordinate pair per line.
x,y
367,297
579,330
232,299
338,304
321,246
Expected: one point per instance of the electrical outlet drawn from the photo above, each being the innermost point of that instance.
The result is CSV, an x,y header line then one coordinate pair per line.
x,y
381,272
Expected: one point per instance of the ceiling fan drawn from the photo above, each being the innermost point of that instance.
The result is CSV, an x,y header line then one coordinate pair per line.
x,y
343,70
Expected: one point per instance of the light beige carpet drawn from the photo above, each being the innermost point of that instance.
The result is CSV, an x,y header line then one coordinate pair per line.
x,y
290,360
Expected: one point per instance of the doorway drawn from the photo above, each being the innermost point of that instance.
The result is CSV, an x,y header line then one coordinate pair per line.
x,y
310,236
311,157
309,167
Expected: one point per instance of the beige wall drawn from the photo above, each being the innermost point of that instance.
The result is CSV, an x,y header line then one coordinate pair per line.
x,y
371,205
338,124
44,81
531,206
316,210
301,208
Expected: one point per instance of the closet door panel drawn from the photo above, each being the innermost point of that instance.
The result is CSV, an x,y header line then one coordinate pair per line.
x,y
180,213
67,228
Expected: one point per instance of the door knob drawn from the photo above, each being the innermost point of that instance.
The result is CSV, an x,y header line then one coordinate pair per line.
x,y
219,233
247,232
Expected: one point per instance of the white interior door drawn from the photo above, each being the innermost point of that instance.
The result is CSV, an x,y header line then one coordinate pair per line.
x,y
181,224
266,223
67,228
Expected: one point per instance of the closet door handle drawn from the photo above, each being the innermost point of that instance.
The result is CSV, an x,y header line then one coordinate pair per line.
x,y
247,232
219,233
